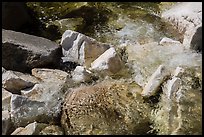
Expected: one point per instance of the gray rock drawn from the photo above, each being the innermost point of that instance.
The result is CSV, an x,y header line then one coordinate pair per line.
x,y
22,52
51,93
186,17
25,111
51,90
110,107
108,63
14,81
81,49
6,123
80,74
52,87
11,10
6,98
31,129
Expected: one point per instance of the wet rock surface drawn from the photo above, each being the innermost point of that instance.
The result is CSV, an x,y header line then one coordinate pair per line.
x,y
187,20
140,81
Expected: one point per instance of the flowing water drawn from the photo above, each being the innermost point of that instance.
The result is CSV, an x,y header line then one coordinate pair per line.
x,y
137,25
122,23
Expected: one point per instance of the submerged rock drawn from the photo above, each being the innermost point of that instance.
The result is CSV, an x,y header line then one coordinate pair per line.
x,y
68,24
110,107
143,60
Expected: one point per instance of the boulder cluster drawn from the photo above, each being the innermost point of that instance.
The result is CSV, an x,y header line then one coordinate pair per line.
x,y
85,87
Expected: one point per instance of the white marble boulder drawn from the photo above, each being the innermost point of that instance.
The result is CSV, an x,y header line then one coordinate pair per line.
x,y
81,49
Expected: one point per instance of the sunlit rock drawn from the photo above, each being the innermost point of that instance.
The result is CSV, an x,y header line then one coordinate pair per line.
x,y
81,49
14,81
155,81
110,107
108,63
50,75
80,74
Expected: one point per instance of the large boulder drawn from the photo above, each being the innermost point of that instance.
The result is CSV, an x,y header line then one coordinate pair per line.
x,y
22,52
186,17
51,90
15,15
25,111
81,49
110,107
